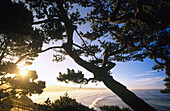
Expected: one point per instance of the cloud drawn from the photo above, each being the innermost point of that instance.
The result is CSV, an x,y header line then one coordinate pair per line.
x,y
145,74
152,71
142,75
147,81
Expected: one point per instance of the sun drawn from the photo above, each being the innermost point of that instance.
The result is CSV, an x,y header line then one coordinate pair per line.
x,y
23,72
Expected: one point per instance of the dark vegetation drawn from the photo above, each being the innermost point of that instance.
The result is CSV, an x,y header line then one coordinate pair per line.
x,y
17,37
113,108
123,29
6,104
65,103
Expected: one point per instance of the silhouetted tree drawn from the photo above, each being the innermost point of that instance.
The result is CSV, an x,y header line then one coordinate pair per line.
x,y
17,38
167,84
59,21
5,101
140,28
107,40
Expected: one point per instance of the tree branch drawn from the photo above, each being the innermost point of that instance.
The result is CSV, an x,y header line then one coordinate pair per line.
x,y
79,46
44,21
22,57
54,47
81,38
3,51
2,79
90,67
69,27
119,51
86,47
117,37
90,79
155,59
156,55
115,12
109,53
83,48
110,66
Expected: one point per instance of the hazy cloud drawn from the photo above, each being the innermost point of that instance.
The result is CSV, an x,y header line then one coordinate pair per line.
x,y
147,81
142,75
145,74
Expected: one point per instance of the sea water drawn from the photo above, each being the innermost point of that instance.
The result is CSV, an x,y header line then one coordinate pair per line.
x,y
159,101
96,98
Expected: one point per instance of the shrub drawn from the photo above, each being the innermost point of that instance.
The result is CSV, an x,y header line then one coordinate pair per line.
x,y
65,103
113,108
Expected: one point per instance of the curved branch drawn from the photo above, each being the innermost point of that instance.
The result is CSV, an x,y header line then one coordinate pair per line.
x,y
54,47
22,57
160,64
86,47
44,21
157,55
81,38
109,53
79,46
89,66
88,80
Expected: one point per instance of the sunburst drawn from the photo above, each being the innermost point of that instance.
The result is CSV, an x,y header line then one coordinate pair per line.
x,y
23,72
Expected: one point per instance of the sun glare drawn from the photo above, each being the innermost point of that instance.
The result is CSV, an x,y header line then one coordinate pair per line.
x,y
23,72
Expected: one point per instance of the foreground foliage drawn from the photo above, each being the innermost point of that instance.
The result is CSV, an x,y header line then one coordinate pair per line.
x,y
6,102
113,108
17,38
167,84
65,103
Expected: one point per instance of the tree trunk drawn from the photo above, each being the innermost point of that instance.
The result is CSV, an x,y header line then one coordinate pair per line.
x,y
127,96
101,74
167,68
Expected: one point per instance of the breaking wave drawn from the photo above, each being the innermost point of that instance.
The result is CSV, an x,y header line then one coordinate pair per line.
x,y
94,104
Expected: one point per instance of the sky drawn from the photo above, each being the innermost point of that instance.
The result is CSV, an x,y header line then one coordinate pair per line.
x,y
133,74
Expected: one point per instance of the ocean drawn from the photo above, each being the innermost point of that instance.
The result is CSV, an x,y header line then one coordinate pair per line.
x,y
96,98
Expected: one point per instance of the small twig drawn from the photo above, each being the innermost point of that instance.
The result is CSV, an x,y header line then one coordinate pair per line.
x,y
81,38
87,49
84,49
79,46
